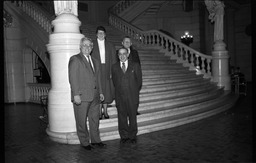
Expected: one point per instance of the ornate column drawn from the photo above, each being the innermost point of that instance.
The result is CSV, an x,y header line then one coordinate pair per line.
x,y
63,43
220,62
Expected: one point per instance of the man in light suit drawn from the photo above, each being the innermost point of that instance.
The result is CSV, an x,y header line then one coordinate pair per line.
x,y
127,79
86,94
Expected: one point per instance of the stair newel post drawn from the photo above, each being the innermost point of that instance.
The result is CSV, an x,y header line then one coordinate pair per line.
x,y
220,60
63,43
220,63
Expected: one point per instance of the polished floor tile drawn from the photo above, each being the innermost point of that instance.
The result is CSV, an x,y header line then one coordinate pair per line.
x,y
223,138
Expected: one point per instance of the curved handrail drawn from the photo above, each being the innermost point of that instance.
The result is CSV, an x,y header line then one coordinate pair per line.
x,y
177,50
42,18
121,6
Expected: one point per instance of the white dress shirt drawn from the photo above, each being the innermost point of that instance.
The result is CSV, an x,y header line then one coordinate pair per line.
x,y
102,50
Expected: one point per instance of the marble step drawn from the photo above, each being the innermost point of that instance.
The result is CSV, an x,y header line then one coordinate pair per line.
x,y
165,71
186,115
176,107
175,93
170,80
173,82
151,54
175,72
172,69
172,86
155,59
161,66
189,74
173,102
148,62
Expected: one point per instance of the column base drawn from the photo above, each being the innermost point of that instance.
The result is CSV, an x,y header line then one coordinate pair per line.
x,y
219,45
63,137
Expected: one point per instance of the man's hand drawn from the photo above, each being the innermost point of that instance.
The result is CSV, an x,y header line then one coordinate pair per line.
x,y
77,99
101,97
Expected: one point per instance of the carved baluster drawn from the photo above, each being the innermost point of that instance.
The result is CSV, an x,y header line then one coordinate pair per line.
x,y
157,39
193,59
166,44
32,93
171,47
197,62
154,39
150,39
209,67
186,55
203,64
176,50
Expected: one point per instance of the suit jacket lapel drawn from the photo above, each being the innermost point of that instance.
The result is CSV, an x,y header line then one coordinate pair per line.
x,y
106,52
96,50
94,65
129,66
86,63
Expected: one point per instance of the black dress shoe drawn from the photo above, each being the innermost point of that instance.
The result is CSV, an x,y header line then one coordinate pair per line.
x,y
99,144
124,140
88,147
101,116
106,116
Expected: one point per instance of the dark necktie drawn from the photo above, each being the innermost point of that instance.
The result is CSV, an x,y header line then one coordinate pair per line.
x,y
123,67
90,64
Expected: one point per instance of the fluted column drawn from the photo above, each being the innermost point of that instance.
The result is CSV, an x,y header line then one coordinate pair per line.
x,y
63,43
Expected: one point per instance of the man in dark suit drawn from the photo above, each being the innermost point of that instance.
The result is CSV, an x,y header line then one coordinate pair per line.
x,y
127,79
86,94
132,53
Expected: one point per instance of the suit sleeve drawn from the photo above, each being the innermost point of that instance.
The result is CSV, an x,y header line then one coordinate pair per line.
x,y
114,54
73,69
113,75
99,79
136,57
138,75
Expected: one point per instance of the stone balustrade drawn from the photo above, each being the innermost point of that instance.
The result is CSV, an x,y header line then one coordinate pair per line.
x,y
175,49
40,16
37,90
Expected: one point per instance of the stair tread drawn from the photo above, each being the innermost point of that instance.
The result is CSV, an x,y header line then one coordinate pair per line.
x,y
145,119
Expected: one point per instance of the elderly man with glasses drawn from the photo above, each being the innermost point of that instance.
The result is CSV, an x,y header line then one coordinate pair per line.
x,y
86,94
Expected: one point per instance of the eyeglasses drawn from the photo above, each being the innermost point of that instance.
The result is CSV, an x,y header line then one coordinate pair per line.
x,y
87,46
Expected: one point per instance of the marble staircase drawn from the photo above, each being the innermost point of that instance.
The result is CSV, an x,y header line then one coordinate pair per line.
x,y
171,94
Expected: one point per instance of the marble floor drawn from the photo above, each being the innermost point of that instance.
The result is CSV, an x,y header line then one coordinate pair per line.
x,y
223,138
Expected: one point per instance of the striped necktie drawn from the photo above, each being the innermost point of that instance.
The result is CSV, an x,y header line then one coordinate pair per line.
x,y
90,64
123,67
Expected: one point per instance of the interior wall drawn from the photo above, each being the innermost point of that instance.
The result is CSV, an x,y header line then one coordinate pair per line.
x,y
243,42
173,19
97,11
